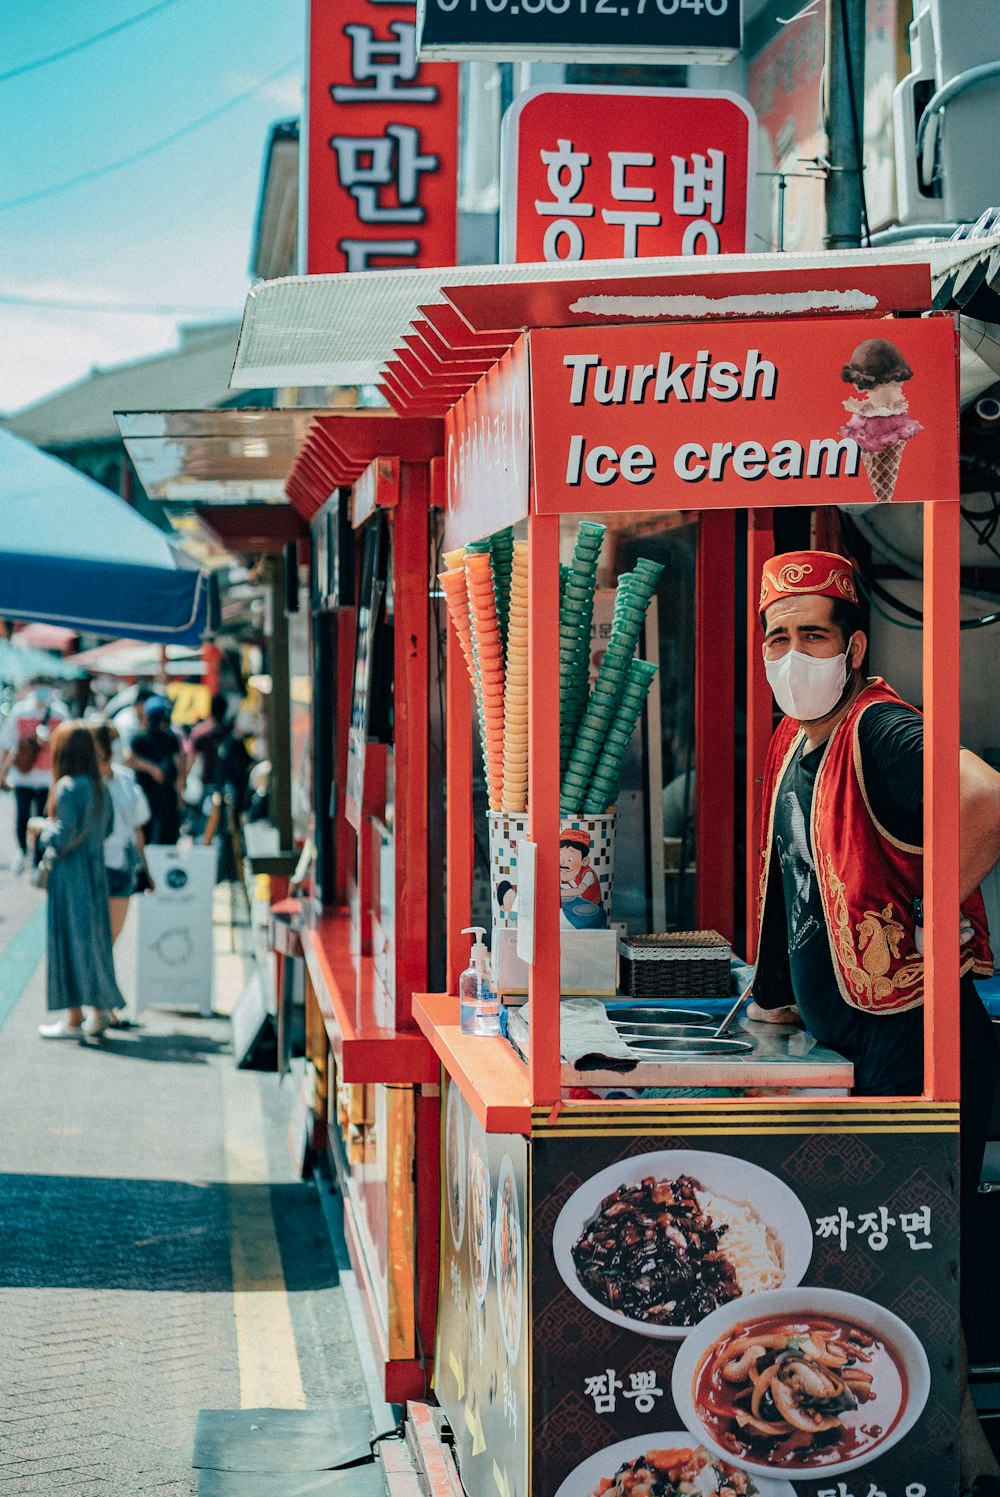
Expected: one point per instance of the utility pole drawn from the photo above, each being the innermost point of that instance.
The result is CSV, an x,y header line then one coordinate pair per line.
x,y
845,123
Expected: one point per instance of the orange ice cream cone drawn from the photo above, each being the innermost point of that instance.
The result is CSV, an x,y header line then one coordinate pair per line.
x,y
515,746
488,650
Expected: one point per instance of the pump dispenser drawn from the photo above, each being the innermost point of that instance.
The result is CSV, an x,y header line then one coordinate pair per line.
x,y
479,1007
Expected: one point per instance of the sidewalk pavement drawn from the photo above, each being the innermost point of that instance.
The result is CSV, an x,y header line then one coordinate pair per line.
x,y
158,1253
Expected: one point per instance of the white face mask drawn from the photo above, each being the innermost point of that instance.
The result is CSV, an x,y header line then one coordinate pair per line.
x,y
807,687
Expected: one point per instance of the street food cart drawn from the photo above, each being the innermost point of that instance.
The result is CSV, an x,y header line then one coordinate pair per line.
x,y
364,481
584,1342
600,399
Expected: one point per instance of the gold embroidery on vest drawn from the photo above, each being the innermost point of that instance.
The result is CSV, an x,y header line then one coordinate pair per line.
x,y
879,936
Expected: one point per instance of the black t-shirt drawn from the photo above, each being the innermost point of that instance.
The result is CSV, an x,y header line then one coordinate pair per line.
x,y
159,746
887,1049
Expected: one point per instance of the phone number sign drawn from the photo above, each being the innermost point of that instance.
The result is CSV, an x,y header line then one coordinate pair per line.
x,y
608,174
603,30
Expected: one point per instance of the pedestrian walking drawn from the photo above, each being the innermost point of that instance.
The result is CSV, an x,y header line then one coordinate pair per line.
x,y
80,816
124,859
157,756
26,759
130,720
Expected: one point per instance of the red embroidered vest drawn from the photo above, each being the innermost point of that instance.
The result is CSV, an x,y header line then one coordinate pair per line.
x,y
867,880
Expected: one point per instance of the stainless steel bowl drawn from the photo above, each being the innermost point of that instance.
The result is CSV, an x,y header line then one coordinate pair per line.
x,y
648,1014
663,1048
636,1033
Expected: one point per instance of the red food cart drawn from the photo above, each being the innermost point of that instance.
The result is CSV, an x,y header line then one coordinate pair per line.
x,y
619,398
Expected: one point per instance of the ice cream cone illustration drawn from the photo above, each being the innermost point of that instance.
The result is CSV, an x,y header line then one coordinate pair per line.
x,y
880,421
883,470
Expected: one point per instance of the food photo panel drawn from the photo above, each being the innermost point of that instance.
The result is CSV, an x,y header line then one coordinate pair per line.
x,y
483,1357
745,1310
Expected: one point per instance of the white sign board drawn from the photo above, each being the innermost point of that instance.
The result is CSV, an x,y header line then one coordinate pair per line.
x,y
174,936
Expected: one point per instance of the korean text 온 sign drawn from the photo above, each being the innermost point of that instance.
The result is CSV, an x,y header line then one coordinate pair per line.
x,y
604,173
720,415
382,142
599,30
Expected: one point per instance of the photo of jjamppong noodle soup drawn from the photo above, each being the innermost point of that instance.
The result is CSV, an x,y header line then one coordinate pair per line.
x,y
800,1393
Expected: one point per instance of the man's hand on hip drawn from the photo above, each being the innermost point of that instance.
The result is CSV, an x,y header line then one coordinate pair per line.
x,y
965,934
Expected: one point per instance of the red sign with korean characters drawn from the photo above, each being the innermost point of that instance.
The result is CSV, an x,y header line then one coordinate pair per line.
x,y
382,142
712,415
609,174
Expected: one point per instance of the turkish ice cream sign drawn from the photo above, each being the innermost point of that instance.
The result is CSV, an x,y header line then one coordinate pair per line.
x,y
706,416
608,174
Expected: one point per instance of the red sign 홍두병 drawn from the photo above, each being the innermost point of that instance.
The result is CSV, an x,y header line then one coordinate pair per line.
x,y
609,174
719,415
382,142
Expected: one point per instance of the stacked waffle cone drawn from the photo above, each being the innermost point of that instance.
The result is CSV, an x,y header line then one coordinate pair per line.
x,y
490,615
515,728
489,662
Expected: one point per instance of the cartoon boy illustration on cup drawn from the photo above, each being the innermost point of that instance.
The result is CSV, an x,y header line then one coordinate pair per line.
x,y
579,885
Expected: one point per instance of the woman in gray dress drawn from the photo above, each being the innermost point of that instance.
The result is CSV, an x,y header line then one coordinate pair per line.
x,y
80,966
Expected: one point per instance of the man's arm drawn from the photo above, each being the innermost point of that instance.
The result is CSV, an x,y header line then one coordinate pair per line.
x,y
143,766
978,821
789,1015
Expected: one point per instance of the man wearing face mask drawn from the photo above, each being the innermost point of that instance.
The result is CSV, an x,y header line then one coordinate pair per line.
x,y
842,875
840,904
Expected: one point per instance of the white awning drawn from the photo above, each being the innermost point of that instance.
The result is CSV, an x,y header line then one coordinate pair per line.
x,y
340,329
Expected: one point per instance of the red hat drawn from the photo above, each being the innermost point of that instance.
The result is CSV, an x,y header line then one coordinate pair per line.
x,y
796,573
576,837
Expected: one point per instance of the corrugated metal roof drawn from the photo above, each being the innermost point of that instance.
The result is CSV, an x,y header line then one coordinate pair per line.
x,y
196,374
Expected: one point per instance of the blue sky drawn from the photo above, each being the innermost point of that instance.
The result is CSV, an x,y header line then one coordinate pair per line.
x,y
172,230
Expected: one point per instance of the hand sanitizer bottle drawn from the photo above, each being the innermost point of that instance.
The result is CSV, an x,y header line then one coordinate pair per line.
x,y
479,1006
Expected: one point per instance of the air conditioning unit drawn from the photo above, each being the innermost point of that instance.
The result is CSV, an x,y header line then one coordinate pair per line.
x,y
918,200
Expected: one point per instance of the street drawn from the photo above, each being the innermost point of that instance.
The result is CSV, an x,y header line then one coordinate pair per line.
x,y
158,1254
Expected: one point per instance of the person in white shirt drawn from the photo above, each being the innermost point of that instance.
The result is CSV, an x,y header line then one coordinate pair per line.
x,y
26,758
130,721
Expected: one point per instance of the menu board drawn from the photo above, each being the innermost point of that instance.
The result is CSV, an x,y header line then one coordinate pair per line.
x,y
483,1354
759,1305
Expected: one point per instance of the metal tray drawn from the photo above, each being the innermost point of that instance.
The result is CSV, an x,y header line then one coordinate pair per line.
x,y
664,1048
637,1013
634,1034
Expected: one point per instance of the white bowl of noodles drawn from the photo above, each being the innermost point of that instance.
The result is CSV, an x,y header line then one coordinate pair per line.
x,y
478,1214
805,1383
755,1221
455,1165
508,1259
630,1460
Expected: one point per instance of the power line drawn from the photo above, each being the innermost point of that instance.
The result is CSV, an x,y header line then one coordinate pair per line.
x,y
90,41
159,145
52,304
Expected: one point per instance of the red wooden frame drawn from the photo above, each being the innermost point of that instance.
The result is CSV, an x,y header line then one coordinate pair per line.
x,y
715,720
760,713
495,1087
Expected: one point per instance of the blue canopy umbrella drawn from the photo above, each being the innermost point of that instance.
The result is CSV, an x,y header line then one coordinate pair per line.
x,y
73,553
20,664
